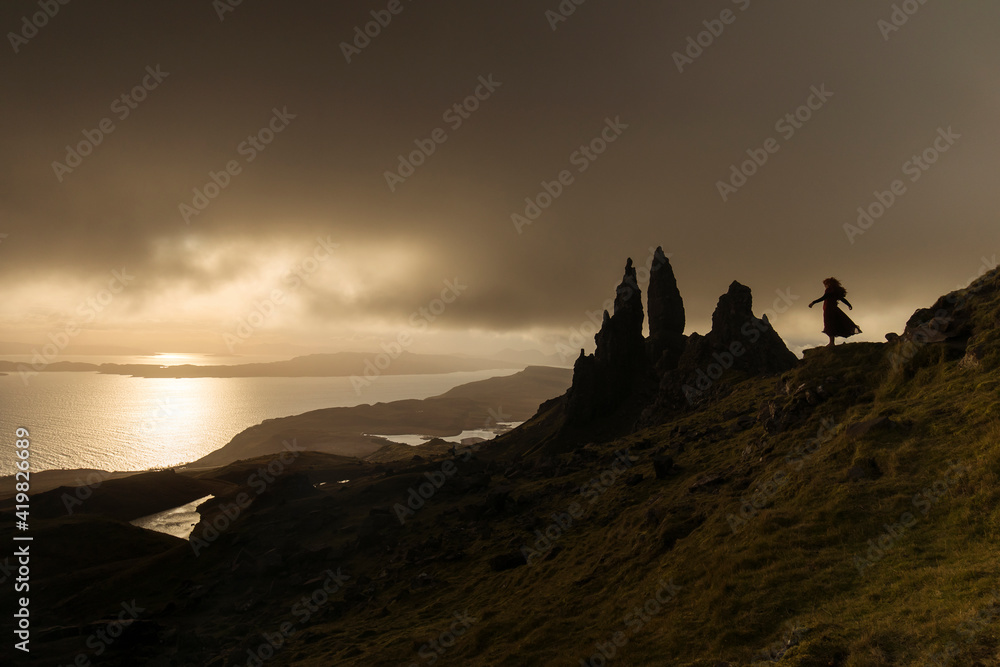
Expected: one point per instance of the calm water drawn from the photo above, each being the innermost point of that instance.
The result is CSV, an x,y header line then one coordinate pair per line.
x,y
115,422
419,439
179,521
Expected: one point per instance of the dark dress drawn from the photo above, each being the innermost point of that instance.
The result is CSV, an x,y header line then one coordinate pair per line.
x,y
835,321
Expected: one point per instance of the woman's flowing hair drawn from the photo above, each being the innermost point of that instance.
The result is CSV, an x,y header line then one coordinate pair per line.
x,y
834,288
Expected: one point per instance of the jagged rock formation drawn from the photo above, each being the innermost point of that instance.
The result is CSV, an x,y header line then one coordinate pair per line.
x,y
753,344
666,314
603,380
620,344
738,341
963,321
669,371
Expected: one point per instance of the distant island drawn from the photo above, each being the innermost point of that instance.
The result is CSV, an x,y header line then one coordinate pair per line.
x,y
340,364
341,431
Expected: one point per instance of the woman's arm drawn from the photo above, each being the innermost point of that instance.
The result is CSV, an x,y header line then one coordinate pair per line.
x,y
848,304
817,301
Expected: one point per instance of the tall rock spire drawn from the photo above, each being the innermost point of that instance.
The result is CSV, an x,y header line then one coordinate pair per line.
x,y
666,314
620,342
604,380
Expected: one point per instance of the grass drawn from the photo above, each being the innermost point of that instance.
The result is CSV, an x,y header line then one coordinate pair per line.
x,y
784,588
790,572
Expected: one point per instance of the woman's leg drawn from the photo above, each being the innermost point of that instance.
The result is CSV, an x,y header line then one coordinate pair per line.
x,y
831,340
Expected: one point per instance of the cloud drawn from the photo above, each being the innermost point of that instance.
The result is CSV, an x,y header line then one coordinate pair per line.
x,y
324,174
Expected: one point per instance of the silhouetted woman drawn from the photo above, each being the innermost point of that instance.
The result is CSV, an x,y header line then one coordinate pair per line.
x,y
835,321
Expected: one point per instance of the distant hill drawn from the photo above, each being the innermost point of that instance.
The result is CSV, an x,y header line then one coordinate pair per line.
x,y
8,347
532,358
342,431
340,364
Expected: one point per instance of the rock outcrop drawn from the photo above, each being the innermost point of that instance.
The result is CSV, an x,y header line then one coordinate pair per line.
x,y
633,377
666,314
620,343
738,341
962,324
604,380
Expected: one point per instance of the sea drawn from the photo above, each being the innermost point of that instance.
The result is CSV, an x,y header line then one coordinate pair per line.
x,y
117,422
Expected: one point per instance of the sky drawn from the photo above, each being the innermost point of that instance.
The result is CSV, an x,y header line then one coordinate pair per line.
x,y
263,177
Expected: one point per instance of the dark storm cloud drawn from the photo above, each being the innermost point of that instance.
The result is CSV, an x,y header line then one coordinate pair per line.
x,y
550,92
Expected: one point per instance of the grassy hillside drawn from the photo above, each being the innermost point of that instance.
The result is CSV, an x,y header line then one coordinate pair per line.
x,y
843,513
767,535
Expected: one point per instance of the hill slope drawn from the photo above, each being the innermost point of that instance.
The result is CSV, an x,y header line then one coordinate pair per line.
x,y
845,511
342,431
